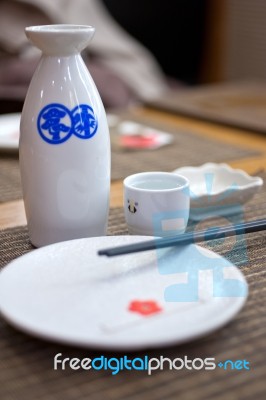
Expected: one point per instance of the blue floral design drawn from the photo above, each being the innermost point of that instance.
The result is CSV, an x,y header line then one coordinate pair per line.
x,y
50,125
56,123
85,123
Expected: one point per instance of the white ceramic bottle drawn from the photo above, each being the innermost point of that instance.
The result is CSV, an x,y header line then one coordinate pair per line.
x,y
64,147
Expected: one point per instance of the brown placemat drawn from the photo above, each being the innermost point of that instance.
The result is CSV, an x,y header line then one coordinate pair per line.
x,y
187,149
15,242
26,363
9,178
238,104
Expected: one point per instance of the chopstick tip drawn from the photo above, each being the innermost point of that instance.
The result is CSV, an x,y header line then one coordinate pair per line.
x,y
102,253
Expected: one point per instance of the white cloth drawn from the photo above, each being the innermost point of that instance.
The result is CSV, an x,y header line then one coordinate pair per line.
x,y
114,48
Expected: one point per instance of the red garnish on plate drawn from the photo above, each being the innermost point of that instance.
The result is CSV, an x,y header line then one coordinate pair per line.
x,y
144,307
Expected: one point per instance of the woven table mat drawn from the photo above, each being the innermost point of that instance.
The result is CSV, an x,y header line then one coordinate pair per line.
x,y
187,149
9,178
26,363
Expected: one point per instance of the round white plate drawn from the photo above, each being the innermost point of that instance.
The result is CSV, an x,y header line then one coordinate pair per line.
x,y
67,293
9,131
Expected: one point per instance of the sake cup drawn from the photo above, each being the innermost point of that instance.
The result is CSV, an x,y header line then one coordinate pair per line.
x,y
156,203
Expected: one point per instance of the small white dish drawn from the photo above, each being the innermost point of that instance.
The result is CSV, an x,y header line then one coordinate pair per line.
x,y
218,189
9,131
65,292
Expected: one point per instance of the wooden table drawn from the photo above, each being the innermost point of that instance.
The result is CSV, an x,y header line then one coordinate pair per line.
x,y
12,213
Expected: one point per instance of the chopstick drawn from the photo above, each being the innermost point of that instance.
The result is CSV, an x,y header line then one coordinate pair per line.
x,y
187,238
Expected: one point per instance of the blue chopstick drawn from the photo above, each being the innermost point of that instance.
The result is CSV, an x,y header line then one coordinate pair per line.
x,y
186,238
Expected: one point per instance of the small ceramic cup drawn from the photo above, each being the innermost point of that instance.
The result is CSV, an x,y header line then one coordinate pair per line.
x,y
156,203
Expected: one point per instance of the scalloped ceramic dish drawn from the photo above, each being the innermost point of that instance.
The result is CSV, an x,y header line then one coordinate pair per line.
x,y
218,189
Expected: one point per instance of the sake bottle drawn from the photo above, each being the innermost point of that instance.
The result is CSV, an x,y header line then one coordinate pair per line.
x,y
64,146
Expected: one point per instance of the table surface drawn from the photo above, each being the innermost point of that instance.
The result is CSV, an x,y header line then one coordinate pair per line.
x,y
12,213
25,378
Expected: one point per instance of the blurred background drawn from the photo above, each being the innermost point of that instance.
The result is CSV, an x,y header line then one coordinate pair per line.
x,y
141,49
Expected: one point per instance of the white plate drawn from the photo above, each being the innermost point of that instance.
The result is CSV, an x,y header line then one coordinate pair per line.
x,y
9,131
218,189
67,293
142,136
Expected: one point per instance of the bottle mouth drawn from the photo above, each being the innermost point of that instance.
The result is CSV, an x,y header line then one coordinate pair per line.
x,y
60,28
62,39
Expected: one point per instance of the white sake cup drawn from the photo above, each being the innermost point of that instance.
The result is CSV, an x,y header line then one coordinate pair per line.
x,y
156,203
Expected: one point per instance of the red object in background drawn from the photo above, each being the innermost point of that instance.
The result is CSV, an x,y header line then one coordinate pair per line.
x,y
138,141
144,307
